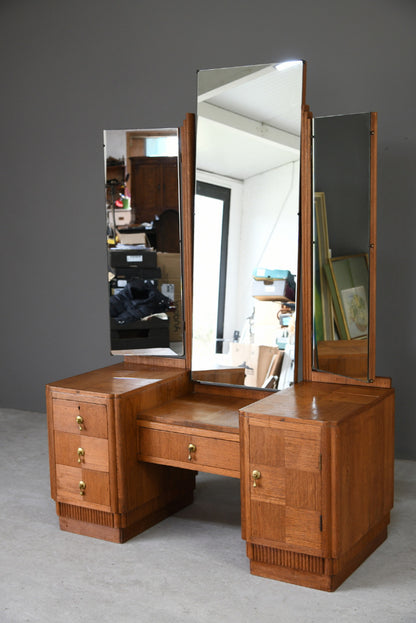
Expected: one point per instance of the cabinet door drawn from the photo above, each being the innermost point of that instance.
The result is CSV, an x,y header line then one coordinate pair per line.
x,y
282,486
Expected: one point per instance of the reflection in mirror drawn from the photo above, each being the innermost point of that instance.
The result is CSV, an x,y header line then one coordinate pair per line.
x,y
341,166
143,240
246,224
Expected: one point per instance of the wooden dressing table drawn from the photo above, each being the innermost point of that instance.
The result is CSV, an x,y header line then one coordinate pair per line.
x,y
315,460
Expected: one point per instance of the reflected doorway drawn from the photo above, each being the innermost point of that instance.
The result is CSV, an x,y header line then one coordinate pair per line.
x,y
212,217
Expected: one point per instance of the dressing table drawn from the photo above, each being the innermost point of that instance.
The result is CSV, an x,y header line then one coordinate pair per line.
x,y
315,460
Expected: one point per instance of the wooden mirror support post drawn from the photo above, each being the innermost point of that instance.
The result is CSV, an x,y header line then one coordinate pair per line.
x,y
315,461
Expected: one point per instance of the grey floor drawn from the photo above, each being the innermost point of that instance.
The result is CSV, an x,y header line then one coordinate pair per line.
x,y
190,567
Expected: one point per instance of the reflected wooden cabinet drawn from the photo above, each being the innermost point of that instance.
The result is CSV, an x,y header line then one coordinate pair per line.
x,y
154,186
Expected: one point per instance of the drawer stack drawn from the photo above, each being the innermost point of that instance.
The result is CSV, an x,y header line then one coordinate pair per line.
x,y
80,438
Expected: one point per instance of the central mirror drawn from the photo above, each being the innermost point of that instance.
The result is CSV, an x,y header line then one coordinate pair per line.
x,y
246,225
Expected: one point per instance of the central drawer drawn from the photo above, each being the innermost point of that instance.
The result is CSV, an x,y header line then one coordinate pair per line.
x,y
196,449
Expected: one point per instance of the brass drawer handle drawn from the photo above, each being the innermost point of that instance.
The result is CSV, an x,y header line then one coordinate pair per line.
x,y
79,421
191,448
255,476
82,487
81,453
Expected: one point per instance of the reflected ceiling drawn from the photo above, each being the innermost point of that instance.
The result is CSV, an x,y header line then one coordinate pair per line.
x,y
258,127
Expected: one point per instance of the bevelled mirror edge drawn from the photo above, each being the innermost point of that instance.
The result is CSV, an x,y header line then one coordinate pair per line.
x,y
307,287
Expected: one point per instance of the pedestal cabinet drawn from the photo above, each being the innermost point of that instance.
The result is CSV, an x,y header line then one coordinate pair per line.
x,y
316,480
100,488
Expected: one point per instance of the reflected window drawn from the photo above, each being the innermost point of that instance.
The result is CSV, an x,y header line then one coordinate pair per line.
x,y
161,146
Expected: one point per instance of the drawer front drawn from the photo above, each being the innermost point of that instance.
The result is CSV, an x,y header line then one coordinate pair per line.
x,y
82,418
81,451
96,493
173,448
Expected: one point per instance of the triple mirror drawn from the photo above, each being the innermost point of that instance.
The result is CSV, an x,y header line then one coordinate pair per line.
x,y
246,233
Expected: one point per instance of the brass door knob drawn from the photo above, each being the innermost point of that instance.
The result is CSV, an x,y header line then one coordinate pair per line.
x,y
255,476
191,448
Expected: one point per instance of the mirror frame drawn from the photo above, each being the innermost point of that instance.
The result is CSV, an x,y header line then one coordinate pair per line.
x,y
309,373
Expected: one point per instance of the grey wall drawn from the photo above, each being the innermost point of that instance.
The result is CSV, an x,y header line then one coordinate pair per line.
x,y
71,69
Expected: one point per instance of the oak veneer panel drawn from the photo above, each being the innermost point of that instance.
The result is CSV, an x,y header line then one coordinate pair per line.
x,y
303,529
95,449
292,487
363,473
303,489
271,484
277,524
302,452
268,521
267,442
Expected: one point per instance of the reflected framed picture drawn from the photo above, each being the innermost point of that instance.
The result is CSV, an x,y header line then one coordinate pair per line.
x,y
323,312
349,288
354,302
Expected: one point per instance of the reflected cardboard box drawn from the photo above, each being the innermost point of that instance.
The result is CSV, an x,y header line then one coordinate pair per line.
x,y
170,285
134,238
273,285
256,360
170,265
